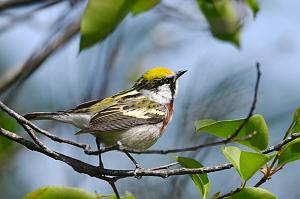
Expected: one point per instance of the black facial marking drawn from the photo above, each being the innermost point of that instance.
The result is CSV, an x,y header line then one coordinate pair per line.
x,y
154,84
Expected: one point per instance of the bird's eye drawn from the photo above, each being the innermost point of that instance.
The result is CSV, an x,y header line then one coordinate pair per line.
x,y
168,80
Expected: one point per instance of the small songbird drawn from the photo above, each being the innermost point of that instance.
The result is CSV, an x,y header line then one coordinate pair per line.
x,y
135,117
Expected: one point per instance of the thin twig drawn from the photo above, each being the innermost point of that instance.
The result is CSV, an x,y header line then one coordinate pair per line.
x,y
94,171
20,74
100,173
166,151
112,184
165,166
21,120
230,193
23,17
278,146
270,170
252,106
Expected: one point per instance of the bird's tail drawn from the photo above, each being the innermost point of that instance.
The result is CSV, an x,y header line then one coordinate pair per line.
x,y
41,116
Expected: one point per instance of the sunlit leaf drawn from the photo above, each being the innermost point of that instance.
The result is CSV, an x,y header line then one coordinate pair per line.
x,y
223,19
226,128
246,163
201,180
52,192
143,5
252,193
289,153
100,18
253,4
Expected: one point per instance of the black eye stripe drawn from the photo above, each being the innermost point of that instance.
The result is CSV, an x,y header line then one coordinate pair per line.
x,y
154,84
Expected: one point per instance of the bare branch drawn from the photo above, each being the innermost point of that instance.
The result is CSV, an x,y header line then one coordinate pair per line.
x,y
13,20
94,171
18,3
113,185
21,120
278,146
167,151
252,106
18,75
100,173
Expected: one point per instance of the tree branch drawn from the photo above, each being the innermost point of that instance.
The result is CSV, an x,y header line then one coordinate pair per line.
x,y
20,74
167,151
9,4
21,120
252,106
94,171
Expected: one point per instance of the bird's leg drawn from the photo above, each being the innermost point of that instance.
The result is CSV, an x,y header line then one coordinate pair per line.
x,y
137,165
100,159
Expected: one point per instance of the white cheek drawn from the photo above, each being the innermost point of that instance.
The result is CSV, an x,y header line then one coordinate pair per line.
x,y
163,94
176,90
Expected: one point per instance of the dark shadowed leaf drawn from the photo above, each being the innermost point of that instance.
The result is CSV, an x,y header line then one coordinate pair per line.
x,y
289,153
252,193
215,196
246,163
223,19
226,128
100,18
201,180
143,5
7,147
253,4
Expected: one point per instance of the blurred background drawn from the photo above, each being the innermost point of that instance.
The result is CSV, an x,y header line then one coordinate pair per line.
x,y
219,85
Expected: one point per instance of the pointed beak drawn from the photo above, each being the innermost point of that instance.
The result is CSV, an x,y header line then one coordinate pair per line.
x,y
179,73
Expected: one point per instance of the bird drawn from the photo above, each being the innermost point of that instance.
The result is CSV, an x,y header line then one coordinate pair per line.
x,y
135,117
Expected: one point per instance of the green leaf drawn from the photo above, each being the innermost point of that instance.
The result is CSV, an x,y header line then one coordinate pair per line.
x,y
246,163
297,114
252,193
289,153
201,180
57,192
223,19
215,196
7,147
296,122
100,18
112,196
226,128
60,193
253,4
143,5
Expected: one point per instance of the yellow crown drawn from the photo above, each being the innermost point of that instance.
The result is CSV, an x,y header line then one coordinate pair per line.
x,y
157,73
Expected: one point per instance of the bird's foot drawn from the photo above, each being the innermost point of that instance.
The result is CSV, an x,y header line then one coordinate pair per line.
x,y
137,171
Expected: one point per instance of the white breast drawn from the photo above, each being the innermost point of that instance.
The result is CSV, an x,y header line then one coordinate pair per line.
x,y
140,137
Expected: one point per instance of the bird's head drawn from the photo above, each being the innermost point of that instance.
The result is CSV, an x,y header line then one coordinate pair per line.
x,y
159,84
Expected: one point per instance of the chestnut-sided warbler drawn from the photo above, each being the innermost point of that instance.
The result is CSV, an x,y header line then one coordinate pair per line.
x,y
135,117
